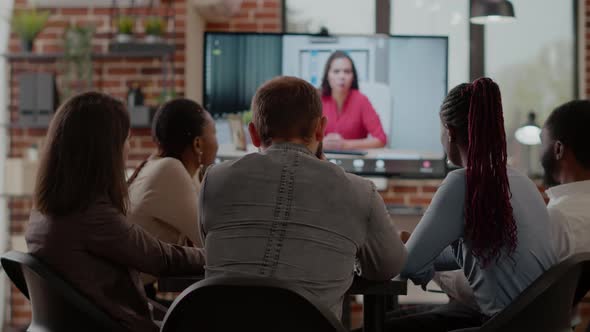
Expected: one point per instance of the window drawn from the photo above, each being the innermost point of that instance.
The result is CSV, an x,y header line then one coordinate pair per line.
x,y
532,59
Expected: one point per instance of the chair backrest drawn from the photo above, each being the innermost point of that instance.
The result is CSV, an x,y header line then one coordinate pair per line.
x,y
247,304
546,305
56,305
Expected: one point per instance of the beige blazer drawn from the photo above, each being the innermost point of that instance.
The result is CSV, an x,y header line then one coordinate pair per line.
x,y
163,201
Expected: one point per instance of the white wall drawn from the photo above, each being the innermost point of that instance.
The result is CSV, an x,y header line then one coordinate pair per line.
x,y
5,12
437,18
532,59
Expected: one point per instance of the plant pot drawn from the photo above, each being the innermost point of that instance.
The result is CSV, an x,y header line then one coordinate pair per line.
x,y
152,39
124,38
27,45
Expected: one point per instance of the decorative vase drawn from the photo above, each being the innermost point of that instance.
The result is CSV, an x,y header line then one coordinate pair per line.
x,y
27,45
152,39
124,38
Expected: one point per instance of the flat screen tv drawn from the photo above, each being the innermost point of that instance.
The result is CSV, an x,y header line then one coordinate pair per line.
x,y
404,77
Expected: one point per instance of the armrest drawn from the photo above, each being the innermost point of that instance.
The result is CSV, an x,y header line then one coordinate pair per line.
x,y
157,310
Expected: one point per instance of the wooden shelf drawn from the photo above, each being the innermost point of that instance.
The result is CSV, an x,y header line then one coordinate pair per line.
x,y
117,50
16,196
98,56
17,125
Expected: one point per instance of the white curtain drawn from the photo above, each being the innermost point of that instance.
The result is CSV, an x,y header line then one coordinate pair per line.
x,y
5,11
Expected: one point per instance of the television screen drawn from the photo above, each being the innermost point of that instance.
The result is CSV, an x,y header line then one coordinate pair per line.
x,y
404,77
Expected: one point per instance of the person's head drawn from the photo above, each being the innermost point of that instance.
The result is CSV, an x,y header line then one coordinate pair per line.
x,y
183,130
565,138
473,136
287,109
339,74
83,158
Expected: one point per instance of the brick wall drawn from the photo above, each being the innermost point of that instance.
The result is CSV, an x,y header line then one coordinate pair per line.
x,y
254,15
110,76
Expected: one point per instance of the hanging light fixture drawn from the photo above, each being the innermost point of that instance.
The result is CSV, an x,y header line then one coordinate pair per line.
x,y
491,11
529,133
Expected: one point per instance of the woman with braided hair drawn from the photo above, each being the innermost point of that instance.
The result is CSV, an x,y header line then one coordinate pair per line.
x,y
485,219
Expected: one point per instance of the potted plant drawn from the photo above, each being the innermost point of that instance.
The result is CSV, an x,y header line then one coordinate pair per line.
x,y
27,24
154,29
246,116
125,29
167,94
77,60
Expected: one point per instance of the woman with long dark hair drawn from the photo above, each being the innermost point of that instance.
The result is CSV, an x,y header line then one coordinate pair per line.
x,y
163,190
79,227
351,117
486,218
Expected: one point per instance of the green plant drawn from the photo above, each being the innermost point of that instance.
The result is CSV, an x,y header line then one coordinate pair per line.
x,y
78,41
247,116
154,26
77,60
28,23
125,25
167,94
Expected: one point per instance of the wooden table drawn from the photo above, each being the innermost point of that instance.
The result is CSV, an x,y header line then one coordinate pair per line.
x,y
375,296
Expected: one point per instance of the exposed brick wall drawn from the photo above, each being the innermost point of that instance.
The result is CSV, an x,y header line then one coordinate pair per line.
x,y
410,192
110,75
254,15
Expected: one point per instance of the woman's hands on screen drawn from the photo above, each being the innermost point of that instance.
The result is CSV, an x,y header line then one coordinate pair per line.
x,y
333,141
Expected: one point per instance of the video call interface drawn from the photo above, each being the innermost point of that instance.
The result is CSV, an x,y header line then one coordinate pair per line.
x,y
404,77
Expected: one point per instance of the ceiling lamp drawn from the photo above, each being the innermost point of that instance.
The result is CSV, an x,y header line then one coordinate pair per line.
x,y
492,11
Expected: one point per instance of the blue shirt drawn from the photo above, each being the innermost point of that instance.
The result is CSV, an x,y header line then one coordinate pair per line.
x,y
437,243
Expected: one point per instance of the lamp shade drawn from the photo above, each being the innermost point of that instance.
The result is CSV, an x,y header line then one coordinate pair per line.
x,y
529,133
491,11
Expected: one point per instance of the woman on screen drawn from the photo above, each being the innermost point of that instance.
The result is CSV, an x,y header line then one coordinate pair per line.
x,y
351,117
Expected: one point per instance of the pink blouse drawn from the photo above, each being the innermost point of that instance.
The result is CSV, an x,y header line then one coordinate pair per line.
x,y
357,120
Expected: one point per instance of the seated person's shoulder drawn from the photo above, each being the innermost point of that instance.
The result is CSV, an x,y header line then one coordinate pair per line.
x,y
457,175
241,165
360,182
521,183
222,168
165,167
455,178
361,189
161,173
102,210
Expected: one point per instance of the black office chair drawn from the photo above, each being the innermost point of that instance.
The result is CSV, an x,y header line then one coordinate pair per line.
x,y
229,304
546,305
56,306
